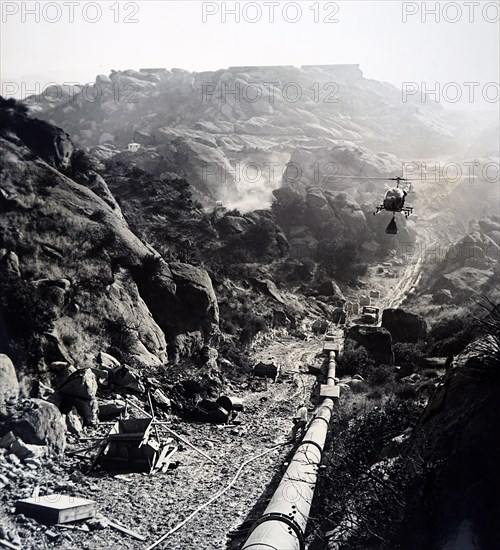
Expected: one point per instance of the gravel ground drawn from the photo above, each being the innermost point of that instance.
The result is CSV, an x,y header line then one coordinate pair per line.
x,y
152,505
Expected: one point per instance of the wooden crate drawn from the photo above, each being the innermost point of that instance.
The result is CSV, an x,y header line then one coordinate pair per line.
x,y
56,508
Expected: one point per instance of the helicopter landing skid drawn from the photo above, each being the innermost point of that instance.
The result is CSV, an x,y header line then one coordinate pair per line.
x,y
407,210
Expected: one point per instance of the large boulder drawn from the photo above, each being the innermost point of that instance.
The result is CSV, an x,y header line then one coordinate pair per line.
x,y
320,326
123,378
463,283
9,263
376,340
81,384
442,296
111,409
60,371
475,249
47,141
315,197
404,326
145,345
232,225
349,212
38,422
331,288
9,385
268,287
74,421
183,303
80,391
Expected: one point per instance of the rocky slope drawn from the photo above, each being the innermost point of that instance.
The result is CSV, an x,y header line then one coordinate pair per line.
x,y
454,451
99,257
75,279
231,132
459,275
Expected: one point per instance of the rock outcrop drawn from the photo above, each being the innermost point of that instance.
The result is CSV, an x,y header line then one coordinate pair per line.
x,y
404,326
78,234
455,448
9,385
80,391
183,303
462,283
332,290
469,267
376,340
209,136
38,422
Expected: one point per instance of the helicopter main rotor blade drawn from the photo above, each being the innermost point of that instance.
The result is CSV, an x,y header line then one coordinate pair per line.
x,y
363,178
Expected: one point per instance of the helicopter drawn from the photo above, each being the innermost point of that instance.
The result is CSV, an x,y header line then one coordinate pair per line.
x,y
394,200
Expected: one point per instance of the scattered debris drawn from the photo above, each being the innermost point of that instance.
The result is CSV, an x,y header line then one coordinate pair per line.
x,y
132,444
230,403
8,544
210,411
56,508
267,370
125,530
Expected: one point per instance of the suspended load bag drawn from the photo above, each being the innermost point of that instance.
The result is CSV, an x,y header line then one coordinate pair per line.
x,y
392,228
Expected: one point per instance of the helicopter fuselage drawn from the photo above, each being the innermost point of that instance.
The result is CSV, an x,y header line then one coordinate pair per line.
x,y
394,201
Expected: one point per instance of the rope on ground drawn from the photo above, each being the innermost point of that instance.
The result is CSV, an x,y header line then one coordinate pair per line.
x,y
215,497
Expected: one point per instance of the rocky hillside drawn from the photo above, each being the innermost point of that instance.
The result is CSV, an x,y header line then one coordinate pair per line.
x,y
76,281
231,132
100,257
454,453
462,273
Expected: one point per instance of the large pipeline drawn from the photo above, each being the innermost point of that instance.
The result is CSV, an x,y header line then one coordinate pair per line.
x,y
283,523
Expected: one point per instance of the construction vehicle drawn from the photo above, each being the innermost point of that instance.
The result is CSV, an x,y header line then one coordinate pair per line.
x,y
370,315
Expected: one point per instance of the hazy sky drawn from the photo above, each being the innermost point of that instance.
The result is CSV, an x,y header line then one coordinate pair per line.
x,y
173,34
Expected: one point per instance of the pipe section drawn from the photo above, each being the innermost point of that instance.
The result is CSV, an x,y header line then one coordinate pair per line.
x,y
283,524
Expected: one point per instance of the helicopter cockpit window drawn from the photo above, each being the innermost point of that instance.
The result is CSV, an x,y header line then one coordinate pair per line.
x,y
394,194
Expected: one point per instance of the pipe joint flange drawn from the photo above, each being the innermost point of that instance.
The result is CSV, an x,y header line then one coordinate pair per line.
x,y
311,442
283,518
322,418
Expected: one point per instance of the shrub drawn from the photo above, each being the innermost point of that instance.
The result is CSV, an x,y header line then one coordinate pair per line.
x,y
362,387
25,309
253,325
295,271
80,162
254,244
406,392
355,359
408,355
380,375
229,327
353,488
375,394
451,335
